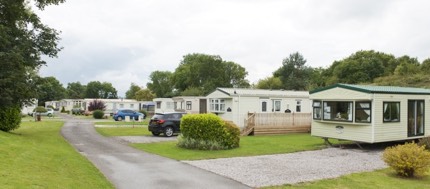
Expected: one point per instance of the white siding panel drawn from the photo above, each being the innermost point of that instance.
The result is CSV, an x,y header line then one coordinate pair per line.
x,y
360,133
340,94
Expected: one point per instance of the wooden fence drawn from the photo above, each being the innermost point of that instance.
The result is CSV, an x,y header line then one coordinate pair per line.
x,y
277,123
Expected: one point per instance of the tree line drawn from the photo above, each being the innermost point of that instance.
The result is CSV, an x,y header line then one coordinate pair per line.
x,y
200,74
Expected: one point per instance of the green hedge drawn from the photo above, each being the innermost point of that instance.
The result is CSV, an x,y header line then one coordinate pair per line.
x,y
10,118
208,129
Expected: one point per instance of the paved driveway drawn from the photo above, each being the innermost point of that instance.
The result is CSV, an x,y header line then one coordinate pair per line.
x,y
128,168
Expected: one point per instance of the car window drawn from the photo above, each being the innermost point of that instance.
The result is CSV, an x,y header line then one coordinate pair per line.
x,y
157,116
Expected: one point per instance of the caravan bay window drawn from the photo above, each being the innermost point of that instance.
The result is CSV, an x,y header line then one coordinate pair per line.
x,y
337,111
342,111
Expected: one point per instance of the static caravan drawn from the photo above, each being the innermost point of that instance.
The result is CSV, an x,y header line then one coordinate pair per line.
x,y
370,114
234,104
190,104
112,105
164,105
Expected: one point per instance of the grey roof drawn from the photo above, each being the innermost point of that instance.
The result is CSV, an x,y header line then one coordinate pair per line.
x,y
263,92
376,89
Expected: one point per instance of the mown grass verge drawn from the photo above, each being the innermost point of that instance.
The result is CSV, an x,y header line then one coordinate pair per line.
x,y
249,146
37,156
124,131
381,179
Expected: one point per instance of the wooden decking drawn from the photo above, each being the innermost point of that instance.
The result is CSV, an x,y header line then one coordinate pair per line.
x,y
277,123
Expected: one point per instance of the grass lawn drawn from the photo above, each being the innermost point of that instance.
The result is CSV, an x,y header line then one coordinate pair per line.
x,y
381,179
37,156
249,146
112,122
123,131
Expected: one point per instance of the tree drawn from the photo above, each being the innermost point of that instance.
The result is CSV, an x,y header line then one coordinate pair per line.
x,y
161,84
362,67
425,66
294,74
131,93
207,72
235,75
144,95
23,40
75,90
407,66
96,89
269,83
48,89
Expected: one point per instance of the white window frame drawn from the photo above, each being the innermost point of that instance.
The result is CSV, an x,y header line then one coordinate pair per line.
x,y
217,105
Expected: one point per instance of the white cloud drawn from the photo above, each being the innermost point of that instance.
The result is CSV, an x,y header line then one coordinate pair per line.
x,y
123,42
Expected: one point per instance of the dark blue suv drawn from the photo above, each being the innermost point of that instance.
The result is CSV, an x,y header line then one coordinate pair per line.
x,y
120,115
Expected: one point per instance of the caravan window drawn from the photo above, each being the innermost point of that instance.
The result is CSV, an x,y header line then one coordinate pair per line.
x,y
316,109
391,111
337,111
363,112
217,105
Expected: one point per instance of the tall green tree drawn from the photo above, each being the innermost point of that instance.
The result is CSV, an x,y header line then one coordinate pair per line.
x,y
407,66
96,89
269,83
23,40
49,89
294,74
131,93
144,95
75,90
425,66
362,67
161,84
207,72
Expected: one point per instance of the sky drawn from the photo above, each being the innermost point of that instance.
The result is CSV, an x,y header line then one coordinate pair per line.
x,y
121,42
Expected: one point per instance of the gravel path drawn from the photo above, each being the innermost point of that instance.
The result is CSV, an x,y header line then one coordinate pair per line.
x,y
268,170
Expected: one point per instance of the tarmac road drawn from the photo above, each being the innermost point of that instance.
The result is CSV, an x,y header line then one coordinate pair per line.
x,y
129,168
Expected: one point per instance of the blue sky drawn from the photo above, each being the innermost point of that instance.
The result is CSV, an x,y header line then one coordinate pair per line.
x,y
124,41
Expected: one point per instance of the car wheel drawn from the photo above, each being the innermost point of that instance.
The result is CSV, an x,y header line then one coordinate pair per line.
x,y
49,115
168,131
155,133
119,118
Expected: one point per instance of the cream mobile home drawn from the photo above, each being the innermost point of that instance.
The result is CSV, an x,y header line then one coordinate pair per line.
x,y
370,114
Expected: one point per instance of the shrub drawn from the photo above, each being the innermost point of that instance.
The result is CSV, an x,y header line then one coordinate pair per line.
x,y
97,105
208,132
98,114
145,113
232,135
424,142
63,110
408,160
191,143
10,118
40,109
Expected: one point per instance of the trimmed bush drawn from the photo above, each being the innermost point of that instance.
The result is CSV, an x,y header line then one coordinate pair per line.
x,y
408,160
231,137
63,110
98,114
208,132
10,118
424,142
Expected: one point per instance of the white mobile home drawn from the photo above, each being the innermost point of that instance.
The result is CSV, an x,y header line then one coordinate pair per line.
x,y
370,113
164,105
190,104
234,104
